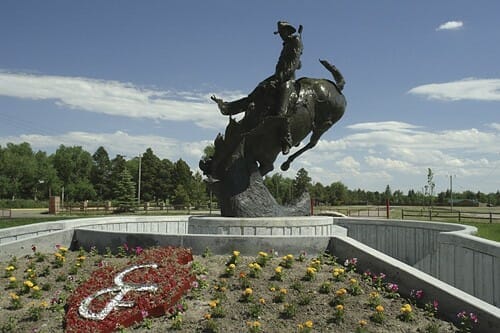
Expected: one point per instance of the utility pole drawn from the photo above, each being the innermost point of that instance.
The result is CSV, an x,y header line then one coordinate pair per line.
x,y
451,192
139,182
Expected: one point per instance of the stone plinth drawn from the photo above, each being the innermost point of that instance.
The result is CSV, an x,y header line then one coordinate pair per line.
x,y
261,226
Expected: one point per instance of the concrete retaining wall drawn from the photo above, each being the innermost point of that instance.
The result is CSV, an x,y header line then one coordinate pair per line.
x,y
444,250
451,300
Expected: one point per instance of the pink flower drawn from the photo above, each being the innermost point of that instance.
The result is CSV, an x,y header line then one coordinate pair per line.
x,y
473,317
125,246
393,287
435,304
144,313
419,294
138,250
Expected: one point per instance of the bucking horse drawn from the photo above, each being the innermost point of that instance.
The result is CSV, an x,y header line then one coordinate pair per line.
x,y
249,147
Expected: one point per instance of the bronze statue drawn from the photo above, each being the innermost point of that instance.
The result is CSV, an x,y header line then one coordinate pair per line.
x,y
279,114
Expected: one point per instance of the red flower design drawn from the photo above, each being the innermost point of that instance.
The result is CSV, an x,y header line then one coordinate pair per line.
x,y
172,277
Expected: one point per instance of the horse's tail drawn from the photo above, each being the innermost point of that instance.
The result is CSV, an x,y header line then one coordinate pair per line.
x,y
337,76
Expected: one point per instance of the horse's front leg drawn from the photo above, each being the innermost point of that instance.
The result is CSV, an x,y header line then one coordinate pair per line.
x,y
312,142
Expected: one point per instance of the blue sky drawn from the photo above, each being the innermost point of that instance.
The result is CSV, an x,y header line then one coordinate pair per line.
x,y
423,81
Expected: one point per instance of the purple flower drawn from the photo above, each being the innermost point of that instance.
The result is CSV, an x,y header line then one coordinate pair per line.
x,y
419,294
473,317
462,315
138,250
194,284
144,313
392,287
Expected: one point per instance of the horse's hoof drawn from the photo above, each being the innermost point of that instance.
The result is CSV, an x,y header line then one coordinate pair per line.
x,y
285,166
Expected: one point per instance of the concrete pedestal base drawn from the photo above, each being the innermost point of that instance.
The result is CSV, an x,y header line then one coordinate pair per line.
x,y
261,226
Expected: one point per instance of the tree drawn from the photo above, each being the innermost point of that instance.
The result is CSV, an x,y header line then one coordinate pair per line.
x,y
48,182
18,171
301,183
100,174
124,189
182,175
337,193
388,193
180,197
429,188
150,170
73,166
199,191
165,181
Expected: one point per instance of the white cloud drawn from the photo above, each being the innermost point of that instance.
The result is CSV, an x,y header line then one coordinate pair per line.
x,y
387,163
451,25
467,89
348,163
494,126
383,126
115,98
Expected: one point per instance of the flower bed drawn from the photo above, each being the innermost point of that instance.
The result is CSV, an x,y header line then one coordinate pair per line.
x,y
264,293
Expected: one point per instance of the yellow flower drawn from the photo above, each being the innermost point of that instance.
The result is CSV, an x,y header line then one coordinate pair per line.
x,y
311,270
58,255
341,292
278,270
262,254
236,253
212,304
28,284
339,307
289,257
232,266
44,304
36,288
12,279
81,258
353,281
10,268
248,292
262,301
63,249
14,296
283,291
406,308
379,308
272,289
207,316
362,323
374,294
308,324
255,324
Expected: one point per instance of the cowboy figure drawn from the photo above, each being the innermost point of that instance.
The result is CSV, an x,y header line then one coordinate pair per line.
x,y
282,82
284,76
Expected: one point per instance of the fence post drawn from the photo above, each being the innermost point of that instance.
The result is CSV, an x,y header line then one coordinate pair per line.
x,y
491,218
430,215
402,214
459,216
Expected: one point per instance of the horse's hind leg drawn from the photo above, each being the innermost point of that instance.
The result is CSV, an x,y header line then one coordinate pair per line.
x,y
312,142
